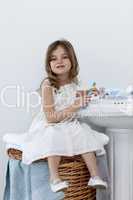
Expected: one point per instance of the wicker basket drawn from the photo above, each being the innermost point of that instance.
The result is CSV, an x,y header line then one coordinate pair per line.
x,y
72,169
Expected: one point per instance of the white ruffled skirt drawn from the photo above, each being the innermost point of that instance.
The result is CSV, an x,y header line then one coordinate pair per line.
x,y
67,138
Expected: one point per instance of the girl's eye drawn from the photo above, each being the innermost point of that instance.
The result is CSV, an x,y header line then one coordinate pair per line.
x,y
65,57
52,59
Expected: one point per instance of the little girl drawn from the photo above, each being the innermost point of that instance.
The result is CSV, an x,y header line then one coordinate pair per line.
x,y
56,130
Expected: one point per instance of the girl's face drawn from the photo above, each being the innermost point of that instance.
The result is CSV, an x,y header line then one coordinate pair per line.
x,y
59,62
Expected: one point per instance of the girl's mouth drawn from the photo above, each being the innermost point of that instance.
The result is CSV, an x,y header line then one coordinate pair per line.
x,y
60,66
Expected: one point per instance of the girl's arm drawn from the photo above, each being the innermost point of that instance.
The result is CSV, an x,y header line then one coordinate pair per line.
x,y
52,115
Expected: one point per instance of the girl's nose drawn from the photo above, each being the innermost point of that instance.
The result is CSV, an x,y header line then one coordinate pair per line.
x,y
59,60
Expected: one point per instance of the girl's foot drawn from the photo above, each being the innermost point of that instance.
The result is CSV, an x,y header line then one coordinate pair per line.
x,y
58,185
97,183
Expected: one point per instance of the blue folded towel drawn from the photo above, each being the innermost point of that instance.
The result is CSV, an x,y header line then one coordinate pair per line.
x,y
28,182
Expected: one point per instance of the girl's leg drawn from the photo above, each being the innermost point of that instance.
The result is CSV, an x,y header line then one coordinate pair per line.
x,y
53,163
90,160
95,180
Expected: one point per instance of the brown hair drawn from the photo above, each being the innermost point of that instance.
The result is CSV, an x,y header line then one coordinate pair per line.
x,y
73,59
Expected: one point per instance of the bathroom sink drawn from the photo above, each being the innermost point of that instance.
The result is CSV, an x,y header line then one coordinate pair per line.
x,y
121,122
110,113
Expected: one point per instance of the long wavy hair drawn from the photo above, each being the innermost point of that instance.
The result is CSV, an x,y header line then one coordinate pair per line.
x,y
73,74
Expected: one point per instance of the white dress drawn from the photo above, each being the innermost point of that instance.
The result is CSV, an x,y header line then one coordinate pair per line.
x,y
66,138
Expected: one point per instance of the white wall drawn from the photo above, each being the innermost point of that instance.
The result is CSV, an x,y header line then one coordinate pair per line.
x,y
101,32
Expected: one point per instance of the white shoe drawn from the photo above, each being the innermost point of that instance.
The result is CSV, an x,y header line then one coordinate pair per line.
x,y
58,185
97,182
